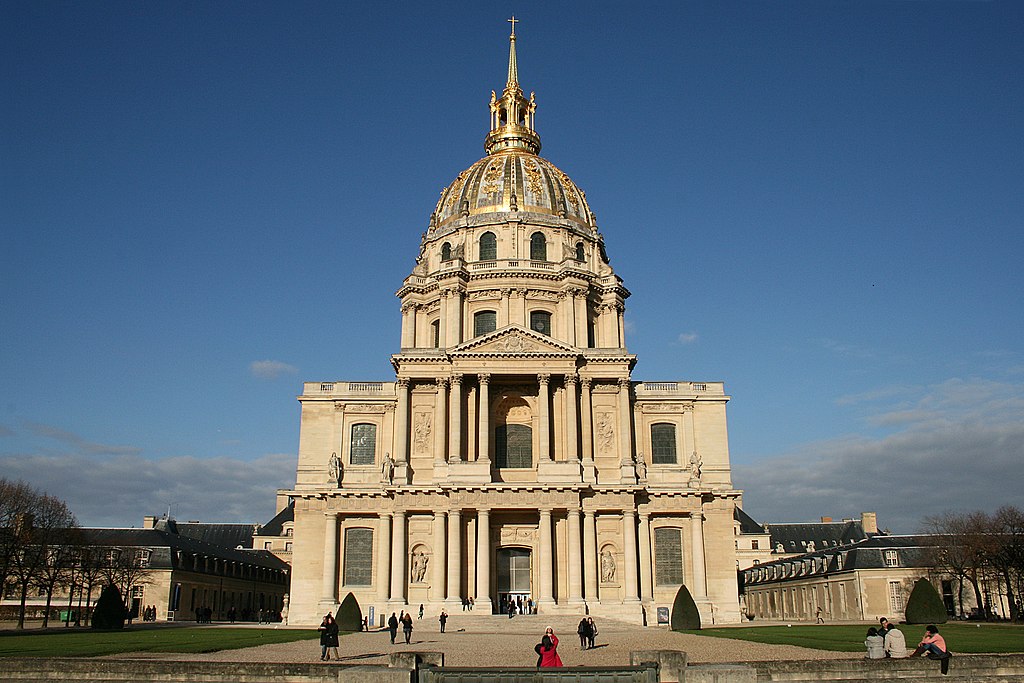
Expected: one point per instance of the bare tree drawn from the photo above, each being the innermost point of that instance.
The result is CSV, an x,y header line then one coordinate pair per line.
x,y
54,534
962,552
15,499
1006,552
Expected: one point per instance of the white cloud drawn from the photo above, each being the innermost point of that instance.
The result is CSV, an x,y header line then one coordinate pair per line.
x,y
119,491
271,369
956,446
687,337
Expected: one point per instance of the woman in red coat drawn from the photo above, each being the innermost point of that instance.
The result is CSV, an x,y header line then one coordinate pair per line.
x,y
549,650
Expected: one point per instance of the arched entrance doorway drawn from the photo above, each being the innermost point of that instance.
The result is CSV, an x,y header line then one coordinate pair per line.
x,y
514,586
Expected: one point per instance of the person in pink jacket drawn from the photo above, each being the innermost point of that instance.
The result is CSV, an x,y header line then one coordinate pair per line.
x,y
548,650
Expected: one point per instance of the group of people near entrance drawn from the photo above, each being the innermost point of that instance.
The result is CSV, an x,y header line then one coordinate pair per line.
x,y
888,641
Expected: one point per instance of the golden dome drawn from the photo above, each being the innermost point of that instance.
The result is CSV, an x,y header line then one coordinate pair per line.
x,y
512,177
513,180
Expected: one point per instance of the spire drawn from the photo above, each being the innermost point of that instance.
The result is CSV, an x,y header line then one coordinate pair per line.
x,y
513,69
511,113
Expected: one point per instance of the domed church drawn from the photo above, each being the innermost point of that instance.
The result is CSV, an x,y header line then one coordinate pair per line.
x,y
514,460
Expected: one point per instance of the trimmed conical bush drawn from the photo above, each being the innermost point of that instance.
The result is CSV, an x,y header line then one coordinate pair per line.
x,y
924,605
109,612
685,616
350,616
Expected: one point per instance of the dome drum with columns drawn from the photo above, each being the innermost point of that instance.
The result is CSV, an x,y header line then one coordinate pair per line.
x,y
514,460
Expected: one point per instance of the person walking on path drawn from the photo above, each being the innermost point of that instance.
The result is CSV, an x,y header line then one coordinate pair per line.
x,y
332,637
592,632
324,639
443,619
818,618
393,627
548,650
421,610
407,627
583,631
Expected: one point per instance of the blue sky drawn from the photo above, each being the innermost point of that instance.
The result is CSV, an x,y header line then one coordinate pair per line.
x,y
818,203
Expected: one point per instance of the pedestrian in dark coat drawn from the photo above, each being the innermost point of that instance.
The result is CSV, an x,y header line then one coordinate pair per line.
x,y
324,639
443,619
591,632
583,631
407,627
332,637
393,627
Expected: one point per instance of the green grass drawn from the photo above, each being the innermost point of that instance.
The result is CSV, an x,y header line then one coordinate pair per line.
x,y
963,638
88,643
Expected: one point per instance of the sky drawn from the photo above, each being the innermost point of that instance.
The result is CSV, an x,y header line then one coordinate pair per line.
x,y
203,205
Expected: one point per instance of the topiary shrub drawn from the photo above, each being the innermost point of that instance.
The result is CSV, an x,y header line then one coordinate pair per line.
x,y
109,612
685,616
924,605
350,616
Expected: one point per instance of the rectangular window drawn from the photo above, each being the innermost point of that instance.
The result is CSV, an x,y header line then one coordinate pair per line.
x,y
663,444
892,559
895,597
358,557
754,545
668,556
288,547
484,322
266,545
364,444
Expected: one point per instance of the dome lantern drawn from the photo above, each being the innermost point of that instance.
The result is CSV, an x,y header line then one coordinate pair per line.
x,y
512,115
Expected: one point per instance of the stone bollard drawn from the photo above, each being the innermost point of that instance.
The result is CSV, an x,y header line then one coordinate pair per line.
x,y
671,663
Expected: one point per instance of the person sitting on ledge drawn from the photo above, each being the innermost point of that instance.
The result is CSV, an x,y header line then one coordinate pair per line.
x,y
932,644
875,644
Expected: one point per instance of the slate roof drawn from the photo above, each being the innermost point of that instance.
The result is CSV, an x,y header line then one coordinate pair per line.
x,y
748,525
275,527
795,537
223,535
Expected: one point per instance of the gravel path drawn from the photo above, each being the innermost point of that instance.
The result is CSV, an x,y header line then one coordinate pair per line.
x,y
490,641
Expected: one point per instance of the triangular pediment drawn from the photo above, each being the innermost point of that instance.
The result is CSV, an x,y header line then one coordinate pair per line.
x,y
514,340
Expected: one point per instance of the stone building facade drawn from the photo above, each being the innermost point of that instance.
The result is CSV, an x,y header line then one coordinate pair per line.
x,y
514,457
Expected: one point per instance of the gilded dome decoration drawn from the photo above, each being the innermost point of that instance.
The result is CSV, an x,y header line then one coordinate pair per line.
x,y
512,177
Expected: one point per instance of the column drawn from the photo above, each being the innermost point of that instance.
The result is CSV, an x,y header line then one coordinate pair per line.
x,y
330,585
586,415
503,308
437,560
483,560
398,558
521,313
580,304
408,326
383,556
442,324
568,310
455,312
455,556
546,579
439,420
455,415
484,417
625,428
590,556
646,582
402,422
700,591
629,553
575,580
571,404
620,324
544,405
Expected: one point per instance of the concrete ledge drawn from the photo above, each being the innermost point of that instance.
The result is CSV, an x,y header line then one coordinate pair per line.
x,y
671,663
721,673
962,667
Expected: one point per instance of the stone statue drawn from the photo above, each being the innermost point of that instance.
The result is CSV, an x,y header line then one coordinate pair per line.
x,y
607,567
779,548
695,467
641,466
334,469
810,546
387,469
419,566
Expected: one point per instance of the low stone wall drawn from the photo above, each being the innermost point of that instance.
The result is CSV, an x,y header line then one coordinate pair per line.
x,y
976,668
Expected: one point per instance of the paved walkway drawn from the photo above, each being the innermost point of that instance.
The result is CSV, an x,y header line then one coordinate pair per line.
x,y
476,641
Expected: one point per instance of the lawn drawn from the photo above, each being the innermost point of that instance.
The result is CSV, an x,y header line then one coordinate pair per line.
x,y
964,638
88,643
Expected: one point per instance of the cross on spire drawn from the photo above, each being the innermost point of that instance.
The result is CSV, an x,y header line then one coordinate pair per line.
x,y
513,21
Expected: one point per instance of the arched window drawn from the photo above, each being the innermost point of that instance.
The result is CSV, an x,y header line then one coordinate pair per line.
x,y
540,321
663,444
435,333
513,446
538,247
446,252
363,449
488,246
581,255
484,322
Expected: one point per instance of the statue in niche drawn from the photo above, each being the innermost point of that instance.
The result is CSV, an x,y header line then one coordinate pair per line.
x,y
420,561
695,468
422,432
334,469
605,431
387,469
607,567
459,250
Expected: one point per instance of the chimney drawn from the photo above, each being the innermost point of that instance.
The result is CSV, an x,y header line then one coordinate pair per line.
x,y
149,521
826,520
869,520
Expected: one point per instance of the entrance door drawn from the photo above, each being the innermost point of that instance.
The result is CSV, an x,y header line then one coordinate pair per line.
x,y
514,586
